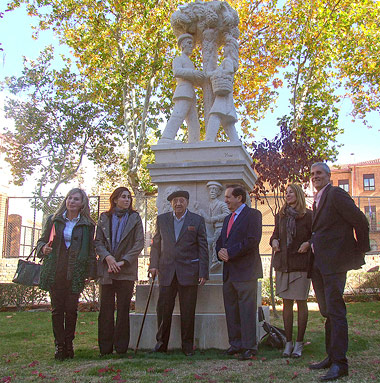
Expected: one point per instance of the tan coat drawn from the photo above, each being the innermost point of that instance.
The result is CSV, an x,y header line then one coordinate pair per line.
x,y
128,250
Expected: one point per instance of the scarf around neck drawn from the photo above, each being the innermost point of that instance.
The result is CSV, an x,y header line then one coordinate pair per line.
x,y
291,215
119,221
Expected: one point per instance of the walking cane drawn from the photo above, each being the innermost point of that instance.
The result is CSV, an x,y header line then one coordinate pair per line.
x,y
146,309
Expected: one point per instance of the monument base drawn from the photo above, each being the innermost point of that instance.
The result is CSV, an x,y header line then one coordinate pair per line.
x,y
210,331
180,166
210,321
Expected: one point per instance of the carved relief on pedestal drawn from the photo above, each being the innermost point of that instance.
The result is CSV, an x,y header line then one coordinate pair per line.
x,y
214,216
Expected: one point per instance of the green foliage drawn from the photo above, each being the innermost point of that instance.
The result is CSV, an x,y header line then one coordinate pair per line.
x,y
56,125
321,51
21,297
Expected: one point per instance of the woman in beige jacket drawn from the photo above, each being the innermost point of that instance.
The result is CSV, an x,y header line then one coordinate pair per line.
x,y
118,242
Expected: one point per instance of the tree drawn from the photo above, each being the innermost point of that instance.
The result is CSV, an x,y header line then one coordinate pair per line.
x,y
56,126
124,48
315,49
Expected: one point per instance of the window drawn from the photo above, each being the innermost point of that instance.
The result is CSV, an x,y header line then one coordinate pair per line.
x,y
344,185
368,182
370,213
373,244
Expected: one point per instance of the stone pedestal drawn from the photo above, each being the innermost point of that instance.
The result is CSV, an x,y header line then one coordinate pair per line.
x,y
189,167
210,321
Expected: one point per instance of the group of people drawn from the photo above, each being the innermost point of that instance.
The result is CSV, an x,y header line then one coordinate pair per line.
x,y
318,246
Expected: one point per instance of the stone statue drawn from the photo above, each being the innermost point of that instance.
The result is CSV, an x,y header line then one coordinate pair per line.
x,y
211,25
223,109
214,217
185,108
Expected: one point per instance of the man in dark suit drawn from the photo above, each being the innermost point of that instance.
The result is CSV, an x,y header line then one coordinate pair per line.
x,y
336,250
179,256
238,248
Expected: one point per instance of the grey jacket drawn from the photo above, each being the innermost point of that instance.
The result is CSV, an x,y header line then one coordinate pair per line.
x,y
128,250
187,257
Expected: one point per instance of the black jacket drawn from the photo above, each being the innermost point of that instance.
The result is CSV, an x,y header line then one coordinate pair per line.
x,y
335,247
288,259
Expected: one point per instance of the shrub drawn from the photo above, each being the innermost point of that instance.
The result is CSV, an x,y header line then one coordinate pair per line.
x,y
265,293
21,297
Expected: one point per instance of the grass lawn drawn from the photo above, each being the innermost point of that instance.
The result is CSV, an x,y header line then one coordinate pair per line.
x,y
26,350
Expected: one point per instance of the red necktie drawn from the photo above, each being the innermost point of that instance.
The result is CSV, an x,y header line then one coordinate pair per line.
x,y
230,223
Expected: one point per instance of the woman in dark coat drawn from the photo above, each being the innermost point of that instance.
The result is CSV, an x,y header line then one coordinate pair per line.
x,y
290,242
67,249
118,242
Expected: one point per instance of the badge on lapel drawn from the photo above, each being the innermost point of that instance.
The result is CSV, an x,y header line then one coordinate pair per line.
x,y
191,228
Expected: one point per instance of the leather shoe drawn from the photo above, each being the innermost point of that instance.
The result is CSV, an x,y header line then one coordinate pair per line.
x,y
188,352
69,350
59,353
247,354
335,372
159,348
326,363
232,351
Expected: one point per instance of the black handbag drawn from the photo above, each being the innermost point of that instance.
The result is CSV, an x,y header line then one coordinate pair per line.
x,y
274,336
28,271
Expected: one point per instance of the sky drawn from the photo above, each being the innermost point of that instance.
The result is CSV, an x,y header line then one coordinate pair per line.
x,y
359,142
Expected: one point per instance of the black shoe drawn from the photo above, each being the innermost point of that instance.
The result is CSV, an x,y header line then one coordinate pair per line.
x,y
69,350
247,354
188,352
59,353
159,348
326,363
232,351
105,354
335,372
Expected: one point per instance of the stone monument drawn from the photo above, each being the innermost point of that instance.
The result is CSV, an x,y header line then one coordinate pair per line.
x,y
203,168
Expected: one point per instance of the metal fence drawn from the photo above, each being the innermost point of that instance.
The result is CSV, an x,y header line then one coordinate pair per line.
x,y
24,219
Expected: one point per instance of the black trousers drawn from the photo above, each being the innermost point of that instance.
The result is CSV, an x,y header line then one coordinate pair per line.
x,y
64,303
165,306
110,334
329,292
64,306
240,304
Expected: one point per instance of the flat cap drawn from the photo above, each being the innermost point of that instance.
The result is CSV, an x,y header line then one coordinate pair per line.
x,y
178,193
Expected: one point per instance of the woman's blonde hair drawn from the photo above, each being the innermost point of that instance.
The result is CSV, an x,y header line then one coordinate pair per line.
x,y
85,208
300,200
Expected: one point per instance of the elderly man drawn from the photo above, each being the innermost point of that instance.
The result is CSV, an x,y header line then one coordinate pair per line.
x,y
179,257
238,249
185,108
336,250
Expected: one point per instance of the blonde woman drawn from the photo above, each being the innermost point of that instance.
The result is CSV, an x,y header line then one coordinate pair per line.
x,y
290,243
67,249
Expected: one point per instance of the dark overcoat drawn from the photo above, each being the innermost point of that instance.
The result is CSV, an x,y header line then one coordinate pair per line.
x,y
336,248
186,257
242,245
288,258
